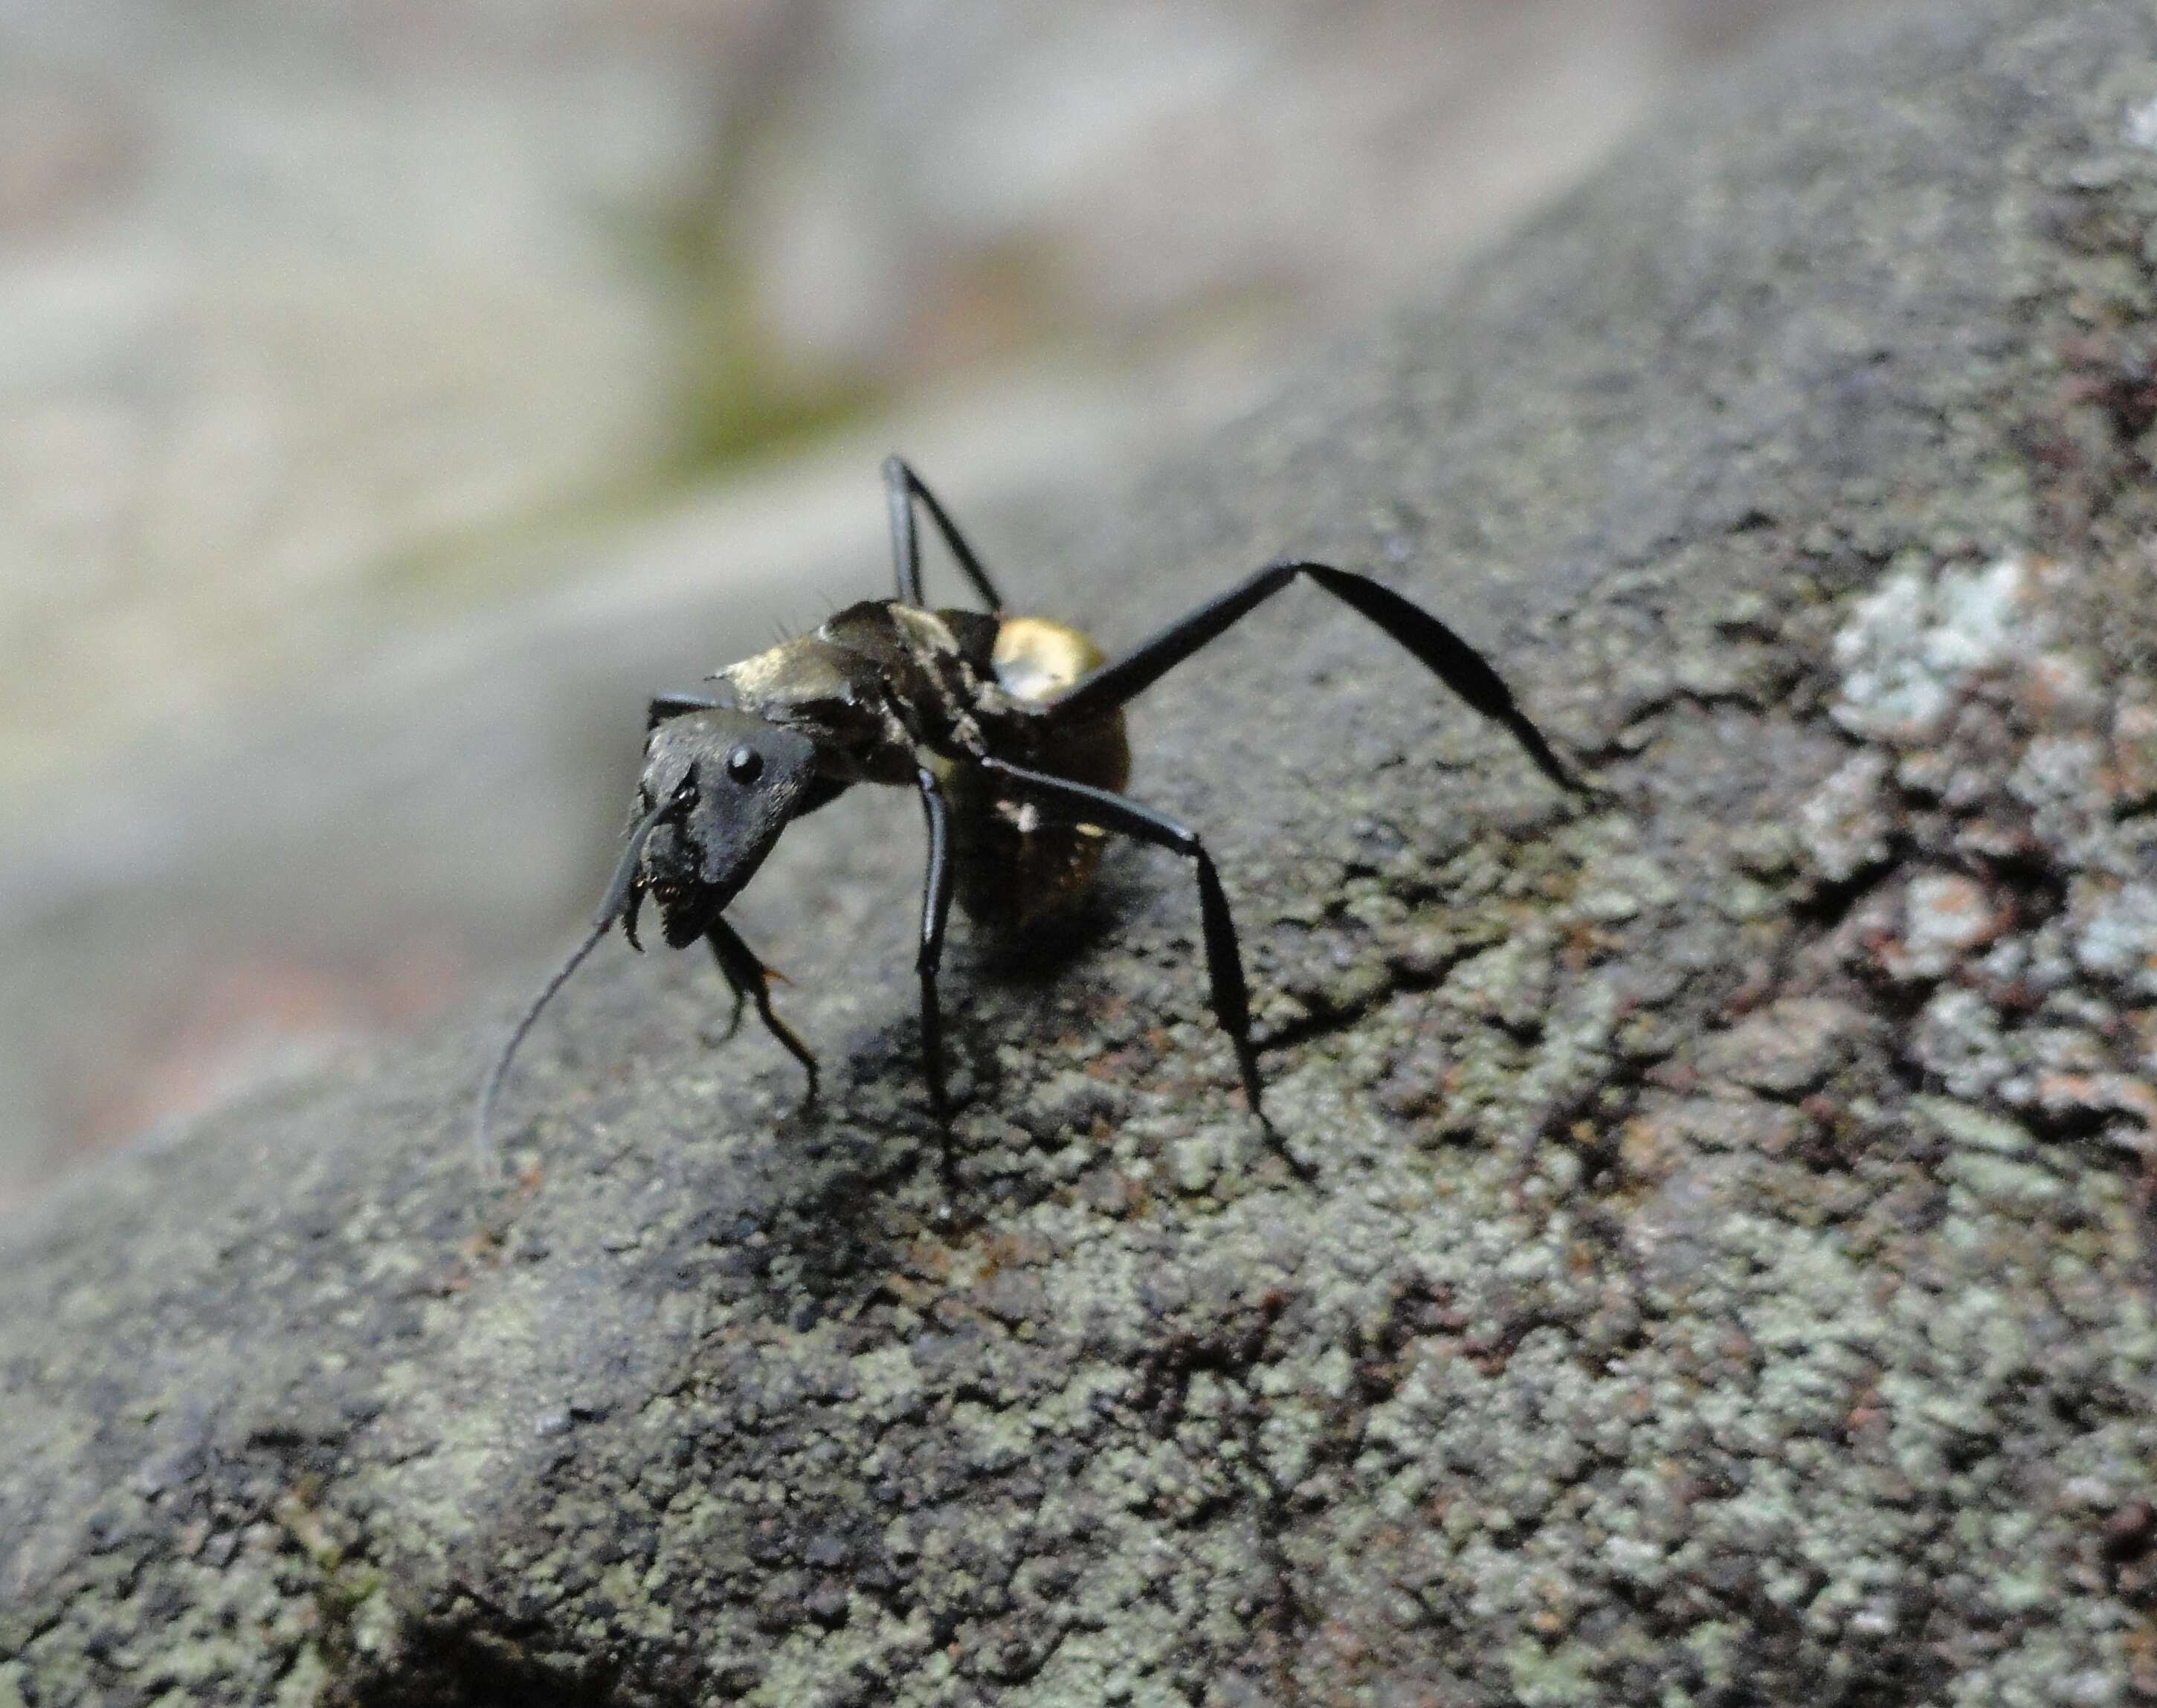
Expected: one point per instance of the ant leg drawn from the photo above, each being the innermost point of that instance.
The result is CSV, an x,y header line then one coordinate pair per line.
x,y
1076,803
741,1004
935,913
902,488
666,706
1448,657
748,976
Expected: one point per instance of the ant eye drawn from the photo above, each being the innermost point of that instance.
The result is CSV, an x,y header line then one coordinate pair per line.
x,y
685,792
744,764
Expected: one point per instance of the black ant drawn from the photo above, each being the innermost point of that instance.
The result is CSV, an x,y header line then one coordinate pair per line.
x,y
1010,729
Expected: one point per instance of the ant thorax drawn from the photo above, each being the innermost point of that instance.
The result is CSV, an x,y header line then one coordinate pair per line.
x,y
882,684
878,681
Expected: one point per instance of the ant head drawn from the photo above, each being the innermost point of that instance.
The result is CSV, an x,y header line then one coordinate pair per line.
x,y
718,788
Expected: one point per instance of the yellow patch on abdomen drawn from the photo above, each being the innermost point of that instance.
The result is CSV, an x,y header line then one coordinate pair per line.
x,y
1013,870
1036,658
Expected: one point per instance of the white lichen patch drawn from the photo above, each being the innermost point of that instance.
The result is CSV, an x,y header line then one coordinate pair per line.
x,y
1847,824
1947,915
1912,646
2117,937
1957,1040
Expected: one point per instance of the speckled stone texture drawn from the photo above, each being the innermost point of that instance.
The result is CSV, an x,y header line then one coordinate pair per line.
x,y
1727,1276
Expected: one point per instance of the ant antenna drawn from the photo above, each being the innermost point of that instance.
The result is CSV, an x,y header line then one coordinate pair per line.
x,y
483,1125
622,895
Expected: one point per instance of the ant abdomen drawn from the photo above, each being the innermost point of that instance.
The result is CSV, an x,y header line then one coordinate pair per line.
x,y
1014,870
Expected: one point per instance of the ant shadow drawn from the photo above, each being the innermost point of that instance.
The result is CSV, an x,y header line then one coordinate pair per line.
x,y
1047,951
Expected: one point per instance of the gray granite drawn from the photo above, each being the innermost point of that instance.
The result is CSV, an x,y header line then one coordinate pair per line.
x,y
1726,1277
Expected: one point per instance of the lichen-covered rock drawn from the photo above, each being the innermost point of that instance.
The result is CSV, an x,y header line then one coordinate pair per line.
x,y
1723,1274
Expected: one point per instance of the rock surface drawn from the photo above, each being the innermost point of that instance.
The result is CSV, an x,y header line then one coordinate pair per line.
x,y
1727,1273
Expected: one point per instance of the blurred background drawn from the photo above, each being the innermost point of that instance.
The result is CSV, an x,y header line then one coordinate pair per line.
x,y
393,392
